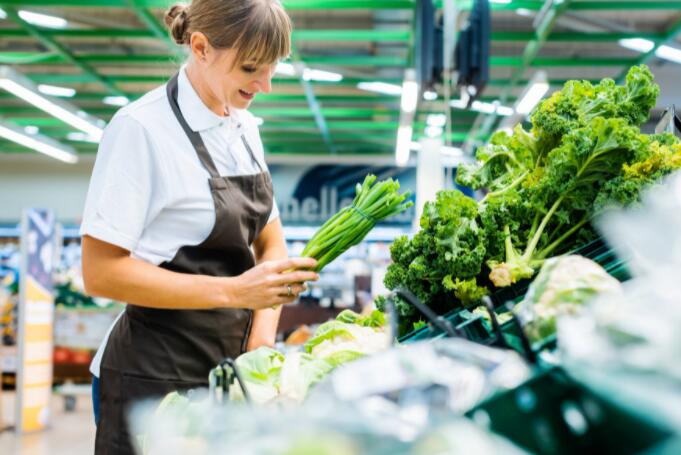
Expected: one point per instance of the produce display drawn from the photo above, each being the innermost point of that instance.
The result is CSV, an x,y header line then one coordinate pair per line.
x,y
562,287
584,154
273,376
348,227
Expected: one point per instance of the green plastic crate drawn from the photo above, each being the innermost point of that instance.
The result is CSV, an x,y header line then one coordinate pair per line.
x,y
553,414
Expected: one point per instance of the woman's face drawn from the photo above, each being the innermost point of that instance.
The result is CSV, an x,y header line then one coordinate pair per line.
x,y
235,85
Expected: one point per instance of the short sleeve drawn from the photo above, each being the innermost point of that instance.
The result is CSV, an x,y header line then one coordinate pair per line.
x,y
274,214
125,180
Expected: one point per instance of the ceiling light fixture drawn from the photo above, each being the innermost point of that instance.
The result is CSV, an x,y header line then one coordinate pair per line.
x,y
38,142
644,46
19,85
116,100
43,20
380,87
52,90
310,74
533,94
429,95
405,130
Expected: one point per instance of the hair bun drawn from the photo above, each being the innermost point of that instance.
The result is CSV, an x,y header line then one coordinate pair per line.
x,y
177,21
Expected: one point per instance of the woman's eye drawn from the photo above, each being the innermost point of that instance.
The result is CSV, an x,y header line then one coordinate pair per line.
x,y
248,69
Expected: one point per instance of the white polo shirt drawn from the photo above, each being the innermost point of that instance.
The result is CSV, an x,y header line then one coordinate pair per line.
x,y
149,192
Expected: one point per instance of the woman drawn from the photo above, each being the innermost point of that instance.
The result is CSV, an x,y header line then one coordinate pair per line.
x,y
179,212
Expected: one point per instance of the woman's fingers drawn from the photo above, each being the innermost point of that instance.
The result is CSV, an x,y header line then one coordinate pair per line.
x,y
296,289
295,277
294,264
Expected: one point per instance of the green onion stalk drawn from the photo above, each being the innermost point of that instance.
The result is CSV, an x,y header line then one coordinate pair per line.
x,y
351,224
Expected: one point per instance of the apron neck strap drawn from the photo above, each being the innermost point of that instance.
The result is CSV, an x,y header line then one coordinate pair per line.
x,y
250,152
194,137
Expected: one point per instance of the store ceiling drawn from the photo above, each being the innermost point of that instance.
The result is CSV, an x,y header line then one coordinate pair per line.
x,y
118,47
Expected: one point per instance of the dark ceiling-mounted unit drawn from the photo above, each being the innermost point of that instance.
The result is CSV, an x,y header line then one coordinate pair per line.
x,y
471,59
428,49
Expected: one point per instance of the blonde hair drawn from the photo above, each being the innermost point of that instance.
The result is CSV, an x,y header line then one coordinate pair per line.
x,y
260,30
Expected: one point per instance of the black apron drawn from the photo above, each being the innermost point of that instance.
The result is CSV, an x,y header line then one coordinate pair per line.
x,y
152,352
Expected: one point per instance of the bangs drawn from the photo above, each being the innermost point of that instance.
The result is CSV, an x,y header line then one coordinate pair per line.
x,y
267,37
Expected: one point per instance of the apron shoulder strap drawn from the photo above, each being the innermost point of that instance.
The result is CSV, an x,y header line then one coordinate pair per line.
x,y
250,152
194,137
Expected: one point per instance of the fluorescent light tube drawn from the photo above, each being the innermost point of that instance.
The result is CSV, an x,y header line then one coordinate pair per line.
x,y
436,120
310,74
669,53
15,83
644,46
429,95
410,94
484,107
43,20
116,100
38,143
404,134
285,69
52,90
380,87
637,44
81,137
532,97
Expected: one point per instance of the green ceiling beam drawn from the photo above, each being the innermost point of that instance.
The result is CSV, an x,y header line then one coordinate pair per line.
x,y
360,60
519,62
357,113
669,35
43,78
154,59
54,46
288,4
356,60
401,36
579,5
262,98
624,5
81,33
556,82
576,36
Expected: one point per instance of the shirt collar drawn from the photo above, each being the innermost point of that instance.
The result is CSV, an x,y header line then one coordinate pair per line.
x,y
198,116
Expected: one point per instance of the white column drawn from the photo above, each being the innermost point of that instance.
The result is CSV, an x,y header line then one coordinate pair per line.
x,y
430,176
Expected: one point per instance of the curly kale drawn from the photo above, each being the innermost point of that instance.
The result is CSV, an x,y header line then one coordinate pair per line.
x,y
439,263
580,102
659,159
565,193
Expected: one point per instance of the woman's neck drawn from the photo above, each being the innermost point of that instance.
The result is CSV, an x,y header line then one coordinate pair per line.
x,y
204,92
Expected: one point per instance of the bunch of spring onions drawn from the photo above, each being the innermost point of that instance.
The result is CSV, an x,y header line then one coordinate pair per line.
x,y
350,225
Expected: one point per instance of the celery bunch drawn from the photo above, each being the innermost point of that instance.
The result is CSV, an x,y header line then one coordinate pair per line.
x,y
348,227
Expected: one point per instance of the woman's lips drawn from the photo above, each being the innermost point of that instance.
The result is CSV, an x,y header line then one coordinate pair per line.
x,y
249,96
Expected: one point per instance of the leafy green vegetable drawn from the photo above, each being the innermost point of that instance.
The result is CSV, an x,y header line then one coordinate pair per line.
x,y
562,287
543,187
565,193
375,319
440,263
350,225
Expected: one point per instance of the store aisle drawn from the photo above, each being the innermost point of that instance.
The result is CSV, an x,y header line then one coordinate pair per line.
x,y
72,433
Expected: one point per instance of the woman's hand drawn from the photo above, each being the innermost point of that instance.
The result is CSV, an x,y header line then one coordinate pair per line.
x,y
267,284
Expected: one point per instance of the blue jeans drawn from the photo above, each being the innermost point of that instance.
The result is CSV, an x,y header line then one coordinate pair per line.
x,y
95,397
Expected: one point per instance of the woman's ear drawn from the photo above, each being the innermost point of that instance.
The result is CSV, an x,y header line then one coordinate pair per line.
x,y
200,47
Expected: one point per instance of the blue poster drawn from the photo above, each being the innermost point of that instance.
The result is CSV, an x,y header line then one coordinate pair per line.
x,y
309,195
